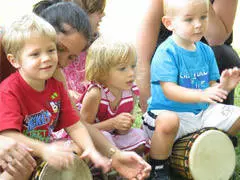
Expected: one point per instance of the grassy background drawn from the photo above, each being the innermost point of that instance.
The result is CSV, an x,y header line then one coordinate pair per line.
x,y
237,103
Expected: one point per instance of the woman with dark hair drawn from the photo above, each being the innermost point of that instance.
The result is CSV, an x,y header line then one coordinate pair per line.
x,y
73,34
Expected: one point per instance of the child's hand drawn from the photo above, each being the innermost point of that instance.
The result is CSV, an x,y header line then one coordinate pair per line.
x,y
229,79
58,155
97,159
213,94
123,121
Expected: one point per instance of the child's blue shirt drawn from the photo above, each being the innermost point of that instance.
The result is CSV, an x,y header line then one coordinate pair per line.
x,y
190,69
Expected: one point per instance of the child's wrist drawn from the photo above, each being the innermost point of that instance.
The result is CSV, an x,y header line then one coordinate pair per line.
x,y
113,121
200,95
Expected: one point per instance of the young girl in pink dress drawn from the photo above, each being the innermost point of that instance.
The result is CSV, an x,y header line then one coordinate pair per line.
x,y
108,101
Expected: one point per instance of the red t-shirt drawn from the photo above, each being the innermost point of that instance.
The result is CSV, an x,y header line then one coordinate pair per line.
x,y
35,114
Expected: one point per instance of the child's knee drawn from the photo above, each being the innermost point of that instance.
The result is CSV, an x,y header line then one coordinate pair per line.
x,y
167,123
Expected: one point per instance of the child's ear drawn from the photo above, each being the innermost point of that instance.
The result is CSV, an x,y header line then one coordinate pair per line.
x,y
13,61
167,22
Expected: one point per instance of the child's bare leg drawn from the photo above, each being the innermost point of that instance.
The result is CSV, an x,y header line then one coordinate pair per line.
x,y
166,127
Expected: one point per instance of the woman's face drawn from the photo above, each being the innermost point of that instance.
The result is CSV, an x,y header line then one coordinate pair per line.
x,y
95,19
69,47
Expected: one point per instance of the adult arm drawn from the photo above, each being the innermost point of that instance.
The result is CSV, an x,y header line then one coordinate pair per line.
x,y
79,134
55,153
146,44
221,19
128,164
35,145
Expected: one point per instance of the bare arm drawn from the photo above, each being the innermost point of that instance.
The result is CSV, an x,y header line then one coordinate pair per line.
x,y
128,164
221,19
57,155
146,44
78,132
89,110
211,95
35,145
171,91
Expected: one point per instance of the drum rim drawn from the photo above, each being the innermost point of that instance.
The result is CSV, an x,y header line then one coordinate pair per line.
x,y
44,165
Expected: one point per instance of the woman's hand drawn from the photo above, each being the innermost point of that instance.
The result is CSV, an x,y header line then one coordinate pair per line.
x,y
97,159
130,165
15,160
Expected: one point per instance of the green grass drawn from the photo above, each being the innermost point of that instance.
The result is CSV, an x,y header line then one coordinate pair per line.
x,y
237,103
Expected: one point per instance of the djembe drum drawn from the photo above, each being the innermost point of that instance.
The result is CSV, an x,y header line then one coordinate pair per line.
x,y
78,171
207,154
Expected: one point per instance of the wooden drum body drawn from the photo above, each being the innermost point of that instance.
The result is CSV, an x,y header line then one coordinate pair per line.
x,y
206,154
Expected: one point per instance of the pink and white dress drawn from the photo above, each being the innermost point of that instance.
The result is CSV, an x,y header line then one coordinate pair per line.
x,y
136,136
75,74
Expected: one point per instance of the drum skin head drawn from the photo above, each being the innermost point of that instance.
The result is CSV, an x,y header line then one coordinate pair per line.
x,y
79,171
212,156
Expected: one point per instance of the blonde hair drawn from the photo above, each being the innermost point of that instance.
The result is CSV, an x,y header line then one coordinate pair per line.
x,y
91,6
22,29
105,54
170,6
